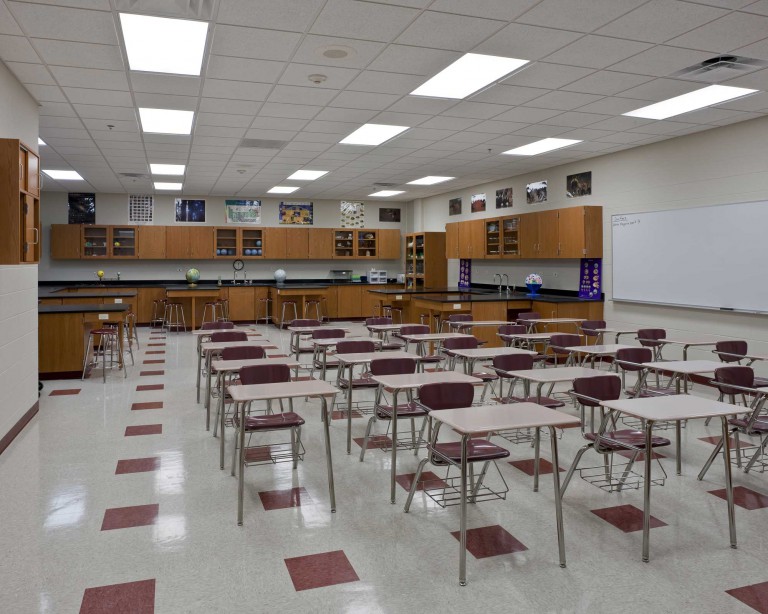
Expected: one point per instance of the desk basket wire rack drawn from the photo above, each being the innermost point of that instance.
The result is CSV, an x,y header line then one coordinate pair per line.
x,y
614,477
447,491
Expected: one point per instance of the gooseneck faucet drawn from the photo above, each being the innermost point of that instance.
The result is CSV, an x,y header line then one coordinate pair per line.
x,y
495,275
507,284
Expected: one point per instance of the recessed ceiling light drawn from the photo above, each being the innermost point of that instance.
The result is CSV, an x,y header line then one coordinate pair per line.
x,y
539,147
307,175
162,185
430,180
468,74
385,193
167,169
705,97
158,44
40,141
64,175
282,189
373,134
166,121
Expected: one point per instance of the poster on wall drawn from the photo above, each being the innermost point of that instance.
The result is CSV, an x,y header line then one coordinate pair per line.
x,y
352,214
477,203
82,208
454,206
590,284
389,215
296,213
190,210
579,184
141,208
504,198
243,211
536,192
465,273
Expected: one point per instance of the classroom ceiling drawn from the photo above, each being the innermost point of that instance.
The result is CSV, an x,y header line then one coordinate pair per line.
x,y
591,61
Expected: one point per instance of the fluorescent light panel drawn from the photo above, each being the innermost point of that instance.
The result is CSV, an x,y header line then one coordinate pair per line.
x,y
167,169
385,193
468,74
166,121
64,175
40,141
430,180
373,134
163,185
540,147
282,189
158,44
705,97
307,175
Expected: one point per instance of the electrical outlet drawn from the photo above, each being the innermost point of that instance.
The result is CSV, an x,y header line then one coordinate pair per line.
x,y
103,316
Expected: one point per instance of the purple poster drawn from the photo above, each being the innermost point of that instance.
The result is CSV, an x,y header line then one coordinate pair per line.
x,y
591,278
465,273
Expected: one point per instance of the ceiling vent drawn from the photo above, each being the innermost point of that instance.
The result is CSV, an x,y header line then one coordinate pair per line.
x,y
383,186
720,68
134,175
262,144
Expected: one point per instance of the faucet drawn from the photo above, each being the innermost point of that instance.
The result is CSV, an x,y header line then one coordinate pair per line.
x,y
507,285
495,275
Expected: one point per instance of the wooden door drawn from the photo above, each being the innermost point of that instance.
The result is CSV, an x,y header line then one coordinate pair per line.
x,y
65,241
452,240
477,238
570,227
151,241
389,244
465,240
33,174
349,298
548,234
332,303
274,243
242,304
145,300
22,169
201,242
297,243
593,232
367,244
529,235
492,236
176,242
320,244
30,232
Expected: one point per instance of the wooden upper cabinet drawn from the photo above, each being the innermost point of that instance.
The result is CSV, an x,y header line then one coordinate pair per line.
x,y
297,243
274,243
389,244
529,235
452,240
472,239
33,174
19,203
492,232
580,232
151,241
176,242
201,242
65,241
548,233
321,244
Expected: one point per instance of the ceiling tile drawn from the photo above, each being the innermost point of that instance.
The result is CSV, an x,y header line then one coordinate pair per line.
x,y
757,50
243,69
296,94
760,7
575,119
526,42
445,31
238,90
507,10
61,23
233,107
46,93
475,110
109,98
526,115
424,106
613,106
289,15
47,121
219,131
661,61
449,123
597,51
661,89
278,123
621,123
578,15
118,126
31,73
606,82
83,55
68,76
385,82
299,111
413,60
361,52
369,21
538,130
220,119
564,101
364,100
255,43
165,84
549,76
335,78
16,48
660,127
755,102
358,116
511,95
106,112
399,119
726,34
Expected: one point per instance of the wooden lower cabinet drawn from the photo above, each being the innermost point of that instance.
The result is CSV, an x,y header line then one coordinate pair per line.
x,y
589,310
489,311
349,301
146,296
244,302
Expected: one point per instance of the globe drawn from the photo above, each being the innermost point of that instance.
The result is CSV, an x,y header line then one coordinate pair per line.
x,y
280,276
193,276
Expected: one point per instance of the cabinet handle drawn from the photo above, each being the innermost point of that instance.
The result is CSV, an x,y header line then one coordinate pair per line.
x,y
37,235
558,249
21,171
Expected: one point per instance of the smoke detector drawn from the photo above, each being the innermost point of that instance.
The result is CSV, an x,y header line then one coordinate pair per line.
x,y
317,79
720,68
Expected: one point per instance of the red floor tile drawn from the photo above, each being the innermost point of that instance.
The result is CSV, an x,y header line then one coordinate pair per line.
x,y
262,453
754,595
144,429
428,479
491,541
150,405
628,518
144,373
132,516
156,345
716,440
282,499
127,598
378,441
317,570
640,456
155,352
150,387
744,497
137,465
154,362
67,391
342,413
526,466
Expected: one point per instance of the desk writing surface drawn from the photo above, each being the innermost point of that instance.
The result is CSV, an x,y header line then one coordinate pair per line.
x,y
673,407
503,417
415,380
557,374
686,366
284,390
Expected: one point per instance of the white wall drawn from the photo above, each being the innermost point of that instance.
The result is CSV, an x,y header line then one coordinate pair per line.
x,y
724,165
18,283
113,209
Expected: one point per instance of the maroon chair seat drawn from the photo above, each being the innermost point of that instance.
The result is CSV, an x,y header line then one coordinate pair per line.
x,y
229,335
217,325
545,401
404,410
648,337
619,440
478,450
731,350
559,345
243,352
588,328
355,347
759,426
271,422
305,322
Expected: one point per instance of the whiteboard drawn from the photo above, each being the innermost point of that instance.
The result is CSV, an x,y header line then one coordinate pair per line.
x,y
713,257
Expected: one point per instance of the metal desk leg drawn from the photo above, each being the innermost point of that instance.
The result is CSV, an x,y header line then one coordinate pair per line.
x,y
393,472
463,520
679,443
536,449
208,391
647,491
241,461
728,480
199,365
328,459
349,410
221,428
558,499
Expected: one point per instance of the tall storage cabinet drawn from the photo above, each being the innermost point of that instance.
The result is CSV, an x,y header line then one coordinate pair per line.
x,y
425,262
19,203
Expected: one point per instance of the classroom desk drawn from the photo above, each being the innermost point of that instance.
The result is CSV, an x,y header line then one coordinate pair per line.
x,y
193,295
468,420
618,331
684,343
414,381
294,344
528,339
531,324
301,293
204,335
593,351
677,408
323,345
383,330
224,368
422,339
459,326
470,357
348,361
241,395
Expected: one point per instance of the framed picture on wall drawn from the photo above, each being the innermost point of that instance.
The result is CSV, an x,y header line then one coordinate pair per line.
x,y
579,184
389,215
296,213
82,208
243,211
536,192
454,206
504,198
190,210
477,203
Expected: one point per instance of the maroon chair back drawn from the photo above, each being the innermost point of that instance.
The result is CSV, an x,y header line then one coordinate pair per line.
x,y
229,335
461,343
647,336
512,329
638,356
245,352
414,329
265,374
599,388
528,315
731,351
217,325
513,362
377,320
560,342
737,375
306,323
329,333
460,317
447,395
588,327
393,366
355,347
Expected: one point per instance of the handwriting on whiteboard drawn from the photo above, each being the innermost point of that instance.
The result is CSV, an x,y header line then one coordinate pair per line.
x,y
622,221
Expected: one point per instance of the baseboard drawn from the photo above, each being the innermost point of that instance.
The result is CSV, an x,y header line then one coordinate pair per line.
x,y
60,375
19,426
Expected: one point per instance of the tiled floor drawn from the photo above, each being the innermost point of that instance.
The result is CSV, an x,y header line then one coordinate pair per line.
x,y
106,509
